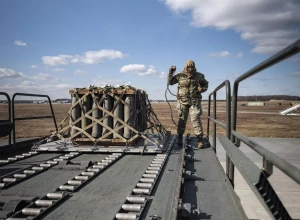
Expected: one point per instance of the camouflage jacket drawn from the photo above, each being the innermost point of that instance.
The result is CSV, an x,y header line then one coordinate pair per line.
x,y
189,87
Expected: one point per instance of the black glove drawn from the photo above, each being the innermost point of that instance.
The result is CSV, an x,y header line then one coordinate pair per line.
x,y
172,69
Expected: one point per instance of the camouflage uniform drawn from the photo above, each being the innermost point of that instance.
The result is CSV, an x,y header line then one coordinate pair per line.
x,y
190,86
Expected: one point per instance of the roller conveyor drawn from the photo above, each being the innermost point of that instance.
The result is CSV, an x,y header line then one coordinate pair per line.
x,y
25,163
106,193
130,187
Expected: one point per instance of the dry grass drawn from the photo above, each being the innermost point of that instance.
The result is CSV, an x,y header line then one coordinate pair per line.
x,y
252,125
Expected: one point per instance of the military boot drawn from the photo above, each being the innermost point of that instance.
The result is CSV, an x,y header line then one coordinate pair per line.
x,y
179,142
200,142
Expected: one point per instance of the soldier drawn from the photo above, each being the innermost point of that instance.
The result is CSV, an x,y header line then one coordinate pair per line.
x,y
190,86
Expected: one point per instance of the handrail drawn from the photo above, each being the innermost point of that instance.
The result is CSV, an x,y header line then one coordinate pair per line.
x,y
226,83
27,118
280,56
9,113
290,170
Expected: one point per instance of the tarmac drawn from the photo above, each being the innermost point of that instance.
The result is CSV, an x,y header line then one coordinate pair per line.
x,y
287,189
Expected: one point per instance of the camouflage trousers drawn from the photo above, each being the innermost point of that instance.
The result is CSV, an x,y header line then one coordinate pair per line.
x,y
195,113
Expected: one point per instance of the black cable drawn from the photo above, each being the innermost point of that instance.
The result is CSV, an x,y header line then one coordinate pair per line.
x,y
167,89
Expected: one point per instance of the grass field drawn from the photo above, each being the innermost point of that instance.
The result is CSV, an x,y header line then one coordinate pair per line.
x,y
263,121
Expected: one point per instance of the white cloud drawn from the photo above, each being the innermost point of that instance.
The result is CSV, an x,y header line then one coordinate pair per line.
x,y
140,69
33,66
162,75
94,57
270,25
58,70
79,72
240,54
90,57
220,54
44,76
20,43
295,74
56,60
9,73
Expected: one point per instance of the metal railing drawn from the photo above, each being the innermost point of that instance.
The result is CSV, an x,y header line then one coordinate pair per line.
x,y
9,113
227,127
256,178
14,119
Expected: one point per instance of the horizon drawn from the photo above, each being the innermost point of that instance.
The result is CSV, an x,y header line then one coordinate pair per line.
x,y
50,47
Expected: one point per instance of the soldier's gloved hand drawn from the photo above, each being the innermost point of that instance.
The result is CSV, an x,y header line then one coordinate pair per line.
x,y
201,90
172,69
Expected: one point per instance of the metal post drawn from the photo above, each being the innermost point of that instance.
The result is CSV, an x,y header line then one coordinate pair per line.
x,y
214,124
9,113
52,112
208,115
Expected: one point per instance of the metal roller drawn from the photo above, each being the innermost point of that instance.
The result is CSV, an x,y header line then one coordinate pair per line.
x,y
87,106
146,180
98,166
12,158
129,99
136,199
155,165
157,162
110,158
159,159
97,114
102,164
74,153
141,191
64,157
29,171
37,168
153,176
81,177
144,185
119,113
44,203
32,152
161,155
20,175
87,173
108,105
152,171
17,219
75,114
113,156
58,159
132,207
45,165
32,211
107,161
126,216
4,161
93,170
26,154
20,156
69,155
153,168
74,182
2,185
67,187
9,180
119,154
55,195
52,162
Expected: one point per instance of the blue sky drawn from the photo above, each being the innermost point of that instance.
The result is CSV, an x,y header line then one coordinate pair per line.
x,y
52,46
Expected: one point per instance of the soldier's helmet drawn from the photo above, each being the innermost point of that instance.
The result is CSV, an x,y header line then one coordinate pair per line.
x,y
190,67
